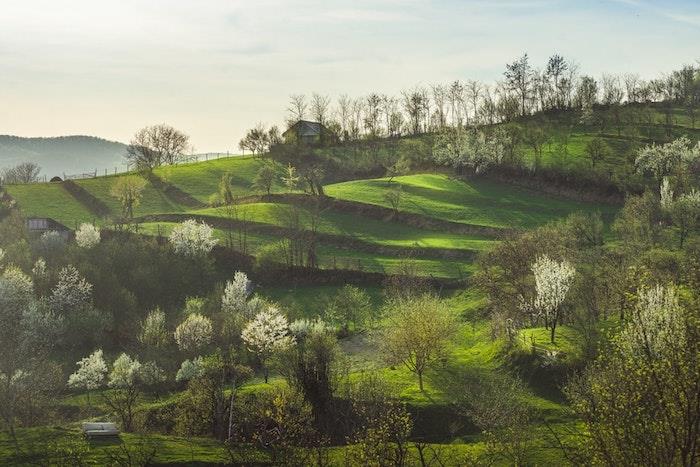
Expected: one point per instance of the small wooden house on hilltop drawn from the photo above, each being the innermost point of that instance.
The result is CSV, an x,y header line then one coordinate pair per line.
x,y
305,132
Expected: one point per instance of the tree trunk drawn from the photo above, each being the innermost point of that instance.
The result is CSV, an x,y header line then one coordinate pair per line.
x,y
554,326
420,381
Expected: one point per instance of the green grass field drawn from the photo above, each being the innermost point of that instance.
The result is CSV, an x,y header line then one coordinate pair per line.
x,y
477,202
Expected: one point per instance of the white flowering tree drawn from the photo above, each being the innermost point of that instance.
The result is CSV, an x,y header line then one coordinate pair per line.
x,y
192,238
193,333
236,293
71,291
665,159
470,149
553,279
125,380
267,333
90,374
190,369
666,193
87,236
39,268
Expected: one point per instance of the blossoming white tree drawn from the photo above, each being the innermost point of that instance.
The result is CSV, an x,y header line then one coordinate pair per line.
x,y
90,374
72,290
663,160
553,279
194,333
192,238
124,380
267,333
236,294
190,369
87,236
39,268
666,193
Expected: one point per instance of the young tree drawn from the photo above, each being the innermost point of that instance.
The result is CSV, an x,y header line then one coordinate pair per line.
x,y
553,279
393,197
193,333
267,333
156,145
226,189
417,335
596,150
124,381
154,331
193,239
351,305
685,213
90,374
290,178
87,236
265,178
128,191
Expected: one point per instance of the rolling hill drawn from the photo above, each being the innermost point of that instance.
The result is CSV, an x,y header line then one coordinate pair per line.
x,y
63,154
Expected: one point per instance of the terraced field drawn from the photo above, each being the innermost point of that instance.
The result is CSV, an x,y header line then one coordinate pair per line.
x,y
359,232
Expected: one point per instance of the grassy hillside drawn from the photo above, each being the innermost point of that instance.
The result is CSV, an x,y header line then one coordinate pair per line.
x,y
477,202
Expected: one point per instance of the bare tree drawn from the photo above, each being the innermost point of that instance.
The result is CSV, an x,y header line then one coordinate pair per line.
x,y
297,108
439,94
156,145
344,115
519,79
556,67
474,90
26,172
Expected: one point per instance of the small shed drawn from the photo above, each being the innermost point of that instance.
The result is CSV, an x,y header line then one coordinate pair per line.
x,y
305,132
40,225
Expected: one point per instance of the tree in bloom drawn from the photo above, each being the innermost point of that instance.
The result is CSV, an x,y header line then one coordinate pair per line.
x,y
665,159
194,333
124,380
87,236
553,279
470,149
90,374
666,194
192,238
72,291
267,333
190,369
652,361
39,268
236,293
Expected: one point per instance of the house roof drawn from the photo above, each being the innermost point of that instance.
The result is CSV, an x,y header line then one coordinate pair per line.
x,y
305,128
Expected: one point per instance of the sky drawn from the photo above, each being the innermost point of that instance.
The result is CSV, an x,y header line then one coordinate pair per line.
x,y
213,68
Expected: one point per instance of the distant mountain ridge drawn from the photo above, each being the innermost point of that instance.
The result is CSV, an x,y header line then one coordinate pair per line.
x,y
63,154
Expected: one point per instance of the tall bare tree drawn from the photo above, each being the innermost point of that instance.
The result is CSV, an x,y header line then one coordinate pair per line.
x,y
519,79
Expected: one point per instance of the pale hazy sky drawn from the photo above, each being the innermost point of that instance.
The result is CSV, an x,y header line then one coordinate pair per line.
x,y
216,67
